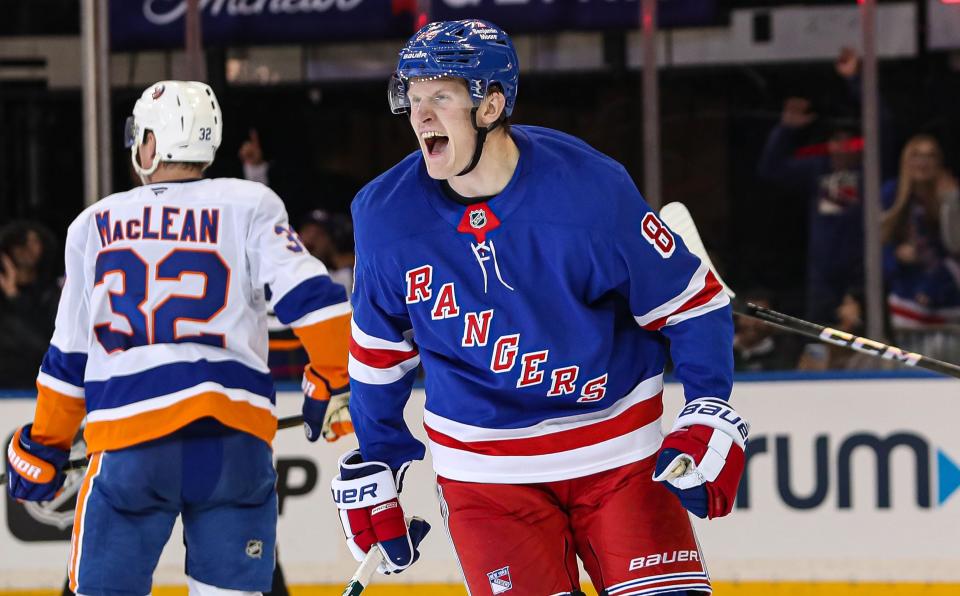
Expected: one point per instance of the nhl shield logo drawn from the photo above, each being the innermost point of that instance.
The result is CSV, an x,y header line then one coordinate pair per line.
x,y
158,91
478,218
254,549
500,580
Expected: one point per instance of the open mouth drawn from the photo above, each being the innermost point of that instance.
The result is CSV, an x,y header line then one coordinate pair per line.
x,y
435,143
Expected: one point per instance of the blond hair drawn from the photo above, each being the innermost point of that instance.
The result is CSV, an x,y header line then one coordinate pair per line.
x,y
896,218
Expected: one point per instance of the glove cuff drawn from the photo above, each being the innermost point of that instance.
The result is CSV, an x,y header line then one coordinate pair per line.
x,y
362,484
314,385
34,461
715,413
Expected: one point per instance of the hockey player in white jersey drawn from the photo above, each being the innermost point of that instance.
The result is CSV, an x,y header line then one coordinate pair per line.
x,y
161,342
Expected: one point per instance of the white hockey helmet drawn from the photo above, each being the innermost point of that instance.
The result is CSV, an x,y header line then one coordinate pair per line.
x,y
185,119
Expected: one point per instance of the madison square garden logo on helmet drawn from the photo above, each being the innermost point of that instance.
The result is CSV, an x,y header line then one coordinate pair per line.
x,y
478,52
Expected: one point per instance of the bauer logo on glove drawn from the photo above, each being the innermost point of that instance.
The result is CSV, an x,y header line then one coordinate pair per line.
x,y
371,516
701,460
699,411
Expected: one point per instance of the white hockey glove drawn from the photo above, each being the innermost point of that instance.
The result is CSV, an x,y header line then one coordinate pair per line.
x,y
371,515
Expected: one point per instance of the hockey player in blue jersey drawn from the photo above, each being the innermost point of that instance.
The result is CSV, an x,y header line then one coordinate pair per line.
x,y
525,272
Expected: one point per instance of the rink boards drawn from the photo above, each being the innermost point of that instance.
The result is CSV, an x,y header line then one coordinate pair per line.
x,y
850,489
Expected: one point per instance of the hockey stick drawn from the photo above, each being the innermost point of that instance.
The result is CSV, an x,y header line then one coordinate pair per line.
x,y
81,462
678,218
361,579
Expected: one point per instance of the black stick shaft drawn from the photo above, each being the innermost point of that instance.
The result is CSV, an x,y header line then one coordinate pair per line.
x,y
848,340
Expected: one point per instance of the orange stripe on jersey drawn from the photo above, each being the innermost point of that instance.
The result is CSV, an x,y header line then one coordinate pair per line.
x,y
93,468
57,418
328,345
109,435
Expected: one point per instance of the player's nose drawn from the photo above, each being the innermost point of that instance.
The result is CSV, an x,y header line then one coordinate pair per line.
x,y
421,112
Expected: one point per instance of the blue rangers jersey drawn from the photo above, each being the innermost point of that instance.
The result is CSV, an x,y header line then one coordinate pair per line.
x,y
543,318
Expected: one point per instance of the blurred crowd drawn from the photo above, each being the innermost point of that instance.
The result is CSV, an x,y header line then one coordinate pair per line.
x,y
920,230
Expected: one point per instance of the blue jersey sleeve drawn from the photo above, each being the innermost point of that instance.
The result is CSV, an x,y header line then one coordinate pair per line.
x,y
673,292
383,367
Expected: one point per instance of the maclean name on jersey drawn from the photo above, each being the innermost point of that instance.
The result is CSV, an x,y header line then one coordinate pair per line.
x,y
172,223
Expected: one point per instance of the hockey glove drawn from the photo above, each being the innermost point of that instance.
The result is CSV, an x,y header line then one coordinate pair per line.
x,y
326,411
701,460
36,470
366,494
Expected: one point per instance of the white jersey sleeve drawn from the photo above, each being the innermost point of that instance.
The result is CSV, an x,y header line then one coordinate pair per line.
x,y
300,291
60,391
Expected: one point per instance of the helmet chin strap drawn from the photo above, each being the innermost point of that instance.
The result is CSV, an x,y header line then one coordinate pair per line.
x,y
481,139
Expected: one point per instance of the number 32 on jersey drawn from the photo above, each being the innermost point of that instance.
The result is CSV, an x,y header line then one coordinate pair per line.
x,y
159,324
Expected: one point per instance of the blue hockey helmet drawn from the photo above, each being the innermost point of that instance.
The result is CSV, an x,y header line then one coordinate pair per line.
x,y
477,51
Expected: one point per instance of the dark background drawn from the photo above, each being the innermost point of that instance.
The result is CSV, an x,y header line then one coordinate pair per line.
x,y
325,140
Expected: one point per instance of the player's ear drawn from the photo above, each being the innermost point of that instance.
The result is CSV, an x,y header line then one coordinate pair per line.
x,y
492,107
148,149
150,141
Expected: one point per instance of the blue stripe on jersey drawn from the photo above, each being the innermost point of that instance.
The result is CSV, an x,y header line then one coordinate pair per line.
x,y
68,367
170,378
310,295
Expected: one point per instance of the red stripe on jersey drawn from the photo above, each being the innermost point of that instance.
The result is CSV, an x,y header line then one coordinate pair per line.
x,y
653,587
634,417
377,358
711,287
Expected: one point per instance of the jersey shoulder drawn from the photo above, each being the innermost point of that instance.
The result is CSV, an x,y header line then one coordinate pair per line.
x,y
555,147
392,205
573,183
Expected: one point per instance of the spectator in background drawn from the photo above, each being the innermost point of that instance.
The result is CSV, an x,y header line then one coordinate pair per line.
x,y
29,293
306,181
329,237
831,177
255,168
820,356
921,236
758,346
